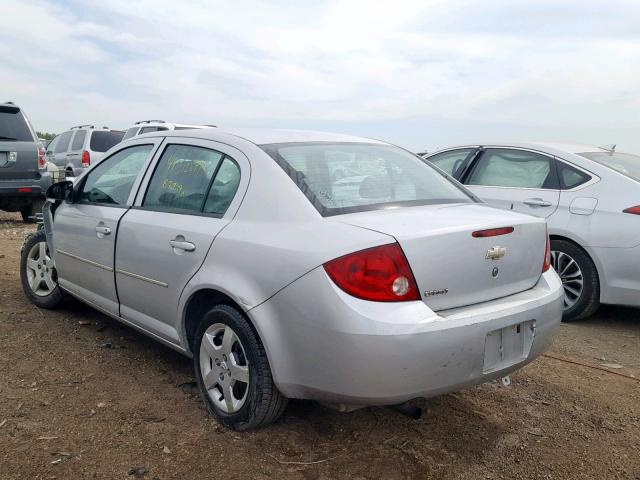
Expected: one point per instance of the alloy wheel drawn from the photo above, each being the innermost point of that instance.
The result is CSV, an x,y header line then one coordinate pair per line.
x,y
571,276
224,367
41,275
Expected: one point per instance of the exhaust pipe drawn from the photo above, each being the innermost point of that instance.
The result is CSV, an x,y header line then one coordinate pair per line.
x,y
407,409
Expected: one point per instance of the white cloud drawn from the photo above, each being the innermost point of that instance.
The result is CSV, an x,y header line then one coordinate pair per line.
x,y
490,68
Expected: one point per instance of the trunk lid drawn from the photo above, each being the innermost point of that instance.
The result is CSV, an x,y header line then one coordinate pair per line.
x,y
438,243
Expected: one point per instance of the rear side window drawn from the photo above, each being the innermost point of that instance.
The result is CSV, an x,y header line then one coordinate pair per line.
x,y
350,177
63,142
571,177
130,133
13,125
78,140
151,129
190,179
102,140
513,168
223,188
451,162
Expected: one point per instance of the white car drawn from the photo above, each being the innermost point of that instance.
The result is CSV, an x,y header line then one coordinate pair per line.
x,y
146,126
590,197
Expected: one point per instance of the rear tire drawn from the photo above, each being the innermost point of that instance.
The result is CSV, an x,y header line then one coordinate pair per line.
x,y
37,274
28,213
573,263
233,372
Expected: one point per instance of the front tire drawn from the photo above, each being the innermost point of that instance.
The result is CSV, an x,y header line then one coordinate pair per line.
x,y
233,372
37,273
579,279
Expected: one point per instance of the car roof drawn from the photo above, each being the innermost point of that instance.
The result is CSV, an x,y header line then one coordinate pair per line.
x,y
556,148
266,136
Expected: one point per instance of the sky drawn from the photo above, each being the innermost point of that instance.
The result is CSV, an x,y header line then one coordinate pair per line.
x,y
422,74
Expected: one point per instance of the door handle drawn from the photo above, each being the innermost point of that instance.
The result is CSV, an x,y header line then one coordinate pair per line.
x,y
102,230
537,202
179,243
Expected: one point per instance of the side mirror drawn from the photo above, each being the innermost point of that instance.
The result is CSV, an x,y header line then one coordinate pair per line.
x,y
60,190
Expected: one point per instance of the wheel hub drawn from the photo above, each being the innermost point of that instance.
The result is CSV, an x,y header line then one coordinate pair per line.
x,y
570,275
224,367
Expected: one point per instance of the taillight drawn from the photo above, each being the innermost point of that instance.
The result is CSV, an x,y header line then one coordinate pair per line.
x,y
42,158
86,159
633,210
380,274
546,265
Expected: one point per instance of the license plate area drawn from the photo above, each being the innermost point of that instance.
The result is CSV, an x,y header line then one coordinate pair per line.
x,y
507,346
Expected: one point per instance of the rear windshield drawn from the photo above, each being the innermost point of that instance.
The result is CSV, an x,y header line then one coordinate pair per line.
x,y
625,163
13,126
101,141
352,177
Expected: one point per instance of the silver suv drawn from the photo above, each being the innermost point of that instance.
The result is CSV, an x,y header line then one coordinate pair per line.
x,y
23,179
75,149
146,126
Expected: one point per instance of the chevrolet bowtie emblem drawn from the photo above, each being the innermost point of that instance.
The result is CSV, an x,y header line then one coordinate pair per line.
x,y
496,253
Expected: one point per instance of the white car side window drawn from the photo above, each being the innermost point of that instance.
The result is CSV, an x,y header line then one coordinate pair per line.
x,y
511,168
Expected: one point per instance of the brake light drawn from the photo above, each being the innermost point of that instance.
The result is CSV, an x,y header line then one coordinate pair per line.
x,y
24,189
633,210
86,159
380,274
492,232
546,265
42,158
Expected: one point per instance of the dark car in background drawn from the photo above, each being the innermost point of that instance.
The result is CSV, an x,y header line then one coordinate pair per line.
x,y
23,179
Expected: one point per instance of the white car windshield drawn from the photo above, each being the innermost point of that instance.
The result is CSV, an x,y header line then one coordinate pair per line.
x,y
350,177
625,163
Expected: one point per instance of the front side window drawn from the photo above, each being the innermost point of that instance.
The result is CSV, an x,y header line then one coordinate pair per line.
x,y
78,140
349,177
190,179
52,145
63,142
512,168
451,162
624,163
110,182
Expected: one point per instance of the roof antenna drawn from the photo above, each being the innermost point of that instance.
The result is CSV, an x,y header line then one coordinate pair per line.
x,y
611,148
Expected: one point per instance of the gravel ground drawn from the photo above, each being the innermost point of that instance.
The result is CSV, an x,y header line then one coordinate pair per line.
x,y
82,396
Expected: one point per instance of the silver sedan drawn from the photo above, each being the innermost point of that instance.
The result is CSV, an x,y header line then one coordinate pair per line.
x,y
590,197
299,265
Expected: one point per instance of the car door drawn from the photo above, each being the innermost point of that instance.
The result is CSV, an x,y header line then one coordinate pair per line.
x,y
453,162
515,179
85,228
188,197
74,154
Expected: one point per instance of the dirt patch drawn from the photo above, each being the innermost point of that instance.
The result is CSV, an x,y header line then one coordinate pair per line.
x,y
82,396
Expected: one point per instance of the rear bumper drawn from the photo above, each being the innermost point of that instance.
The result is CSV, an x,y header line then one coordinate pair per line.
x,y
21,188
619,274
326,345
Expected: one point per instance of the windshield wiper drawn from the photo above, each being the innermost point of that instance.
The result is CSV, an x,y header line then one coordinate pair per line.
x,y
7,138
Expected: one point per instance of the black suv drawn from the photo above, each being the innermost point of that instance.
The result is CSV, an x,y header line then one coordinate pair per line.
x,y
23,180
